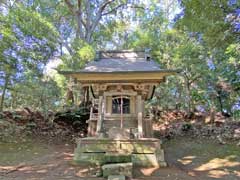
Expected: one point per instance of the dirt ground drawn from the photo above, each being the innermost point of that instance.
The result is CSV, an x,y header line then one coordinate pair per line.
x,y
188,159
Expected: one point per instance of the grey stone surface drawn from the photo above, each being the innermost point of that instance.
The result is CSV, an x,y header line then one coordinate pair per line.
x,y
89,158
117,158
162,164
117,169
149,160
160,155
145,160
116,177
118,133
141,152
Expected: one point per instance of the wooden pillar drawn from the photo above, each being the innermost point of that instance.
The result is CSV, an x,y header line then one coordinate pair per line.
x,y
100,115
90,129
121,112
140,115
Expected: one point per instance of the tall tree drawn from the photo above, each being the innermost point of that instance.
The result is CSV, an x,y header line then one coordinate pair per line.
x,y
215,20
216,25
27,42
88,14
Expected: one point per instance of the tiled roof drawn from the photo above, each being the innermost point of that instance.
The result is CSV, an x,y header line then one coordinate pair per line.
x,y
124,64
117,61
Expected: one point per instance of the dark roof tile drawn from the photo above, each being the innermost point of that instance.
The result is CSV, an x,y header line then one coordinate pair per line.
x,y
121,64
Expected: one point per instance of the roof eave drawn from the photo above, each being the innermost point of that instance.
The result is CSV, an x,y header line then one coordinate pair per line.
x,y
119,76
68,72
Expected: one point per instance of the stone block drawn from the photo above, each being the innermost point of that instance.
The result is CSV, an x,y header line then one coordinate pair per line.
x,y
117,169
145,160
110,147
160,155
133,147
162,164
89,158
117,158
97,145
116,177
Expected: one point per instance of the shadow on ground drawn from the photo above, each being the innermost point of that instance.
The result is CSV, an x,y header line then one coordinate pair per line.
x,y
204,159
188,159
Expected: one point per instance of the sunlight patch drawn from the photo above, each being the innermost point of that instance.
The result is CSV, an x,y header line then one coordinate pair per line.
x,y
218,173
218,163
186,160
148,171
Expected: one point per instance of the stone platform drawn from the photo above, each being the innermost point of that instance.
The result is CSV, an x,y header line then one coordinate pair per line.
x,y
144,152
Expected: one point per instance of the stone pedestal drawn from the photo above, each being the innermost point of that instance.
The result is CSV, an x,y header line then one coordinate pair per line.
x,y
145,152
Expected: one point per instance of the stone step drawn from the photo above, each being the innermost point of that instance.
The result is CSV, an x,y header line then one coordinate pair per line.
x,y
117,169
116,177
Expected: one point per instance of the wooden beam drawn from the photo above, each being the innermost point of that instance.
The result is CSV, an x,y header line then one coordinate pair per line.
x,y
140,116
100,115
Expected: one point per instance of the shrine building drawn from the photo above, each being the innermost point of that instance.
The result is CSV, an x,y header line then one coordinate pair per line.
x,y
120,82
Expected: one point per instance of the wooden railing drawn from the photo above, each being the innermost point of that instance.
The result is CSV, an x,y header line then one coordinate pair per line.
x,y
147,123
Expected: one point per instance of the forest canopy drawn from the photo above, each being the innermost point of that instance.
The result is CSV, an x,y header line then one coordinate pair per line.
x,y
200,37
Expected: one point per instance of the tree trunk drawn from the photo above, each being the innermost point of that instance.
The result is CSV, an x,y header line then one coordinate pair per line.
x,y
220,101
7,78
212,114
227,113
85,101
178,97
85,18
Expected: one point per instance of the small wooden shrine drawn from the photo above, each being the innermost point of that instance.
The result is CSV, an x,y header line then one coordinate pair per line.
x,y
120,83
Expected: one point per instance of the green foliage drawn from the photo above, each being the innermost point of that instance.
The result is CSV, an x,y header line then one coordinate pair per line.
x,y
82,53
209,18
211,24
186,127
233,53
203,44
32,23
9,130
28,41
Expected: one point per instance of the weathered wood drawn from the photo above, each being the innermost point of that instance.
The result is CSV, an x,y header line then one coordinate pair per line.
x,y
148,132
140,116
154,77
100,117
92,127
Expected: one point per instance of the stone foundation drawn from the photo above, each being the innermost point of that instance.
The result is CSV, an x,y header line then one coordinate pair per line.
x,y
144,152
